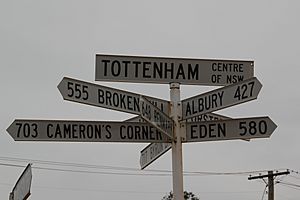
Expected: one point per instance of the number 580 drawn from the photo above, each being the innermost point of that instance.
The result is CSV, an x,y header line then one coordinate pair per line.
x,y
253,127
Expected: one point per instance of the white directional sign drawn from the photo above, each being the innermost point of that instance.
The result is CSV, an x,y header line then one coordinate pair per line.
x,y
154,150
221,98
169,70
21,191
105,97
84,131
244,128
156,117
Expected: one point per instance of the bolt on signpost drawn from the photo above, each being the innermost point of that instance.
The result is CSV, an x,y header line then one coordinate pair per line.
x,y
165,124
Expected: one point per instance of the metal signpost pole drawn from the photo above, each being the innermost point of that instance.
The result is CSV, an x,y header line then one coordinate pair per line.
x,y
177,167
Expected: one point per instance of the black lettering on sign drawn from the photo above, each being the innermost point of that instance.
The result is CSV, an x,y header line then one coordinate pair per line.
x,y
244,91
126,67
234,78
49,135
136,63
118,100
146,69
105,66
159,105
115,68
78,91
193,73
139,133
108,131
205,103
157,70
27,130
155,149
180,72
194,132
253,127
215,78
77,131
170,70
207,131
67,130
151,70
227,67
58,133
146,110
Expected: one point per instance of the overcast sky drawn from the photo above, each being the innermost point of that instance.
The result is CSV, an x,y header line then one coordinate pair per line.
x,y
43,41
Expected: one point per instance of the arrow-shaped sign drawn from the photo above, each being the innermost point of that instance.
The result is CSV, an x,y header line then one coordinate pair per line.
x,y
105,97
244,128
84,131
144,69
152,152
156,117
221,98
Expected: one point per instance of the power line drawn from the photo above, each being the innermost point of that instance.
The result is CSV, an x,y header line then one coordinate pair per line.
x,y
68,164
290,184
295,177
97,172
117,168
141,173
11,165
295,188
85,171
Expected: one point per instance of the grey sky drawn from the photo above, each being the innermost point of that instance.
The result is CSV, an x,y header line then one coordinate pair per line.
x,y
43,41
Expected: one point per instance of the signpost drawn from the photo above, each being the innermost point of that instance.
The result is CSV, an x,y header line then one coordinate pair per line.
x,y
141,69
245,128
105,97
221,98
166,124
21,191
84,131
155,117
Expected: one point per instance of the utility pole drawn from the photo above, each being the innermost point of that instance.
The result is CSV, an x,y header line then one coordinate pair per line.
x,y
270,184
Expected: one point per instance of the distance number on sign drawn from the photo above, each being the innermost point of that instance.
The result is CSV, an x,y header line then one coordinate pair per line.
x,y
253,127
78,91
242,92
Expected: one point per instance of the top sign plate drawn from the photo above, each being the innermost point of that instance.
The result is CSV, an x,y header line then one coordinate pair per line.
x,y
211,72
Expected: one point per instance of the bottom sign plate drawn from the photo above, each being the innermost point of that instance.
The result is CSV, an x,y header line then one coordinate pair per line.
x,y
84,131
153,151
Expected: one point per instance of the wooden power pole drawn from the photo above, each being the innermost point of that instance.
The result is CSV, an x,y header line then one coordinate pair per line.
x,y
270,177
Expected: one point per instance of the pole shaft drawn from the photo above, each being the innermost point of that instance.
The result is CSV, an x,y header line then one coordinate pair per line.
x,y
270,185
177,167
